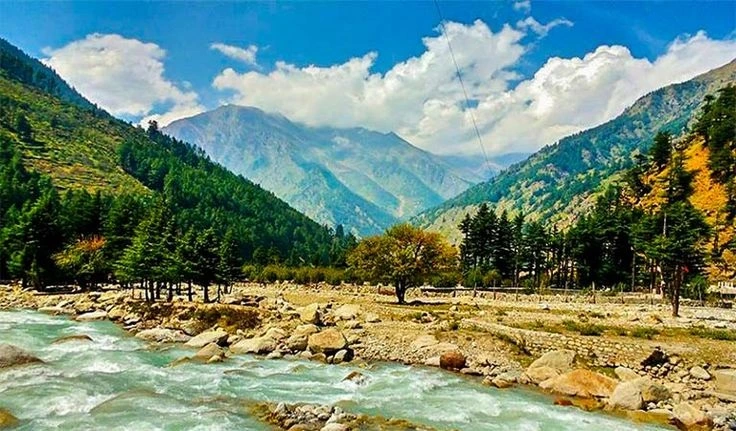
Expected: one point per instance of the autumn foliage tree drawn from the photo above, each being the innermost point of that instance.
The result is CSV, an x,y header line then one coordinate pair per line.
x,y
403,256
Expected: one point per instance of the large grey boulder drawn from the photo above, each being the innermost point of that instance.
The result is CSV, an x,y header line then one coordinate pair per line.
x,y
690,416
725,381
627,395
257,345
327,342
163,335
310,314
92,315
11,356
560,360
346,312
218,337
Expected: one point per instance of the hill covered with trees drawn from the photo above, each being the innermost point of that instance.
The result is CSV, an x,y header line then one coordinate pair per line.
x,y
667,223
85,197
561,182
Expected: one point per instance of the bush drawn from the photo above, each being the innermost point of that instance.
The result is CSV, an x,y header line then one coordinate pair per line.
x,y
587,329
714,334
644,332
446,279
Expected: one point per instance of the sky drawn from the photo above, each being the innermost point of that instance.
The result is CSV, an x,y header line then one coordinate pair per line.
x,y
533,71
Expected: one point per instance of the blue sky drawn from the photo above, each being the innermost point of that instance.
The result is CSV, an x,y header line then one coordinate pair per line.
x,y
501,46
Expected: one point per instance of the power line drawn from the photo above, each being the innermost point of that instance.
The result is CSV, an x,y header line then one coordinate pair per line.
x,y
462,85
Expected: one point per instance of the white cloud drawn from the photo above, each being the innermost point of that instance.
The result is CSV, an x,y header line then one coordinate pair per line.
x,y
542,29
421,98
349,94
124,76
246,55
523,6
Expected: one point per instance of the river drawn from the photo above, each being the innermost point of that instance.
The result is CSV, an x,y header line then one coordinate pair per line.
x,y
117,382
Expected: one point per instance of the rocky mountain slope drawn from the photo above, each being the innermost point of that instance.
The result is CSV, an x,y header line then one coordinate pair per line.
x,y
362,179
560,181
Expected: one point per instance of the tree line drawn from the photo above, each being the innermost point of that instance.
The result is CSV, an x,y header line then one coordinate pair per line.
x,y
620,243
197,226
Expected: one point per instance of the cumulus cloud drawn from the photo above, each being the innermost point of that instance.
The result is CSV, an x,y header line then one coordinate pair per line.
x,y
246,55
421,99
542,29
350,94
124,76
523,6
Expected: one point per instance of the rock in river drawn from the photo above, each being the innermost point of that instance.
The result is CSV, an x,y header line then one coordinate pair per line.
x,y
327,342
581,383
218,337
11,356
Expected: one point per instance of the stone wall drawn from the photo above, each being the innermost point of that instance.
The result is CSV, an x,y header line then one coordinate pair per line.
x,y
595,350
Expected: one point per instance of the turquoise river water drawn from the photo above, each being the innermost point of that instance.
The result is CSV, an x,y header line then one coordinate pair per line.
x,y
117,382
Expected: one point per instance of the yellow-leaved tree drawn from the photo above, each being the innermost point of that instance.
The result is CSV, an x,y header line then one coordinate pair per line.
x,y
403,256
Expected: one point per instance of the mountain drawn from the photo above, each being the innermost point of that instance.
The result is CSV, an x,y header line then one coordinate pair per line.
x,y
475,167
560,181
356,177
57,133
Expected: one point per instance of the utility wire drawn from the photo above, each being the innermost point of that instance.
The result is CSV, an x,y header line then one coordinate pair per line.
x,y
462,85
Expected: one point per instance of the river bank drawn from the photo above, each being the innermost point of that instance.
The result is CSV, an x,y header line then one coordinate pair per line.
x,y
488,338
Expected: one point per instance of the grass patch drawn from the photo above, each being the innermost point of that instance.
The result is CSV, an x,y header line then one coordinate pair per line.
x,y
587,329
714,334
227,317
644,332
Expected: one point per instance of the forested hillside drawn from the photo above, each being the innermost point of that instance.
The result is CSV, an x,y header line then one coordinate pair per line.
x,y
84,196
667,222
560,182
363,179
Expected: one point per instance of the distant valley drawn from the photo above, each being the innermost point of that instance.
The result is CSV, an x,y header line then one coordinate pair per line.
x,y
362,179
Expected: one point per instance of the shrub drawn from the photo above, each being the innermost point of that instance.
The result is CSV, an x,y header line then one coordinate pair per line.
x,y
644,332
714,334
587,329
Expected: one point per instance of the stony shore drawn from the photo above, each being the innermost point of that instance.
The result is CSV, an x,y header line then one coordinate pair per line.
x,y
677,377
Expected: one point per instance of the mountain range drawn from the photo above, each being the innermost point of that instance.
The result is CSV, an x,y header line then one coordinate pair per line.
x,y
362,179
560,182
77,147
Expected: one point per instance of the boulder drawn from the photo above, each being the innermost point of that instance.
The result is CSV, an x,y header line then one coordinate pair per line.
x,y
7,420
434,361
92,315
560,360
699,373
69,338
310,314
297,343
725,381
454,360
208,352
346,312
116,313
328,341
305,330
372,318
276,334
356,377
218,337
163,335
627,395
341,356
624,374
690,418
11,356
258,345
581,383
424,341
537,375
653,392
334,426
